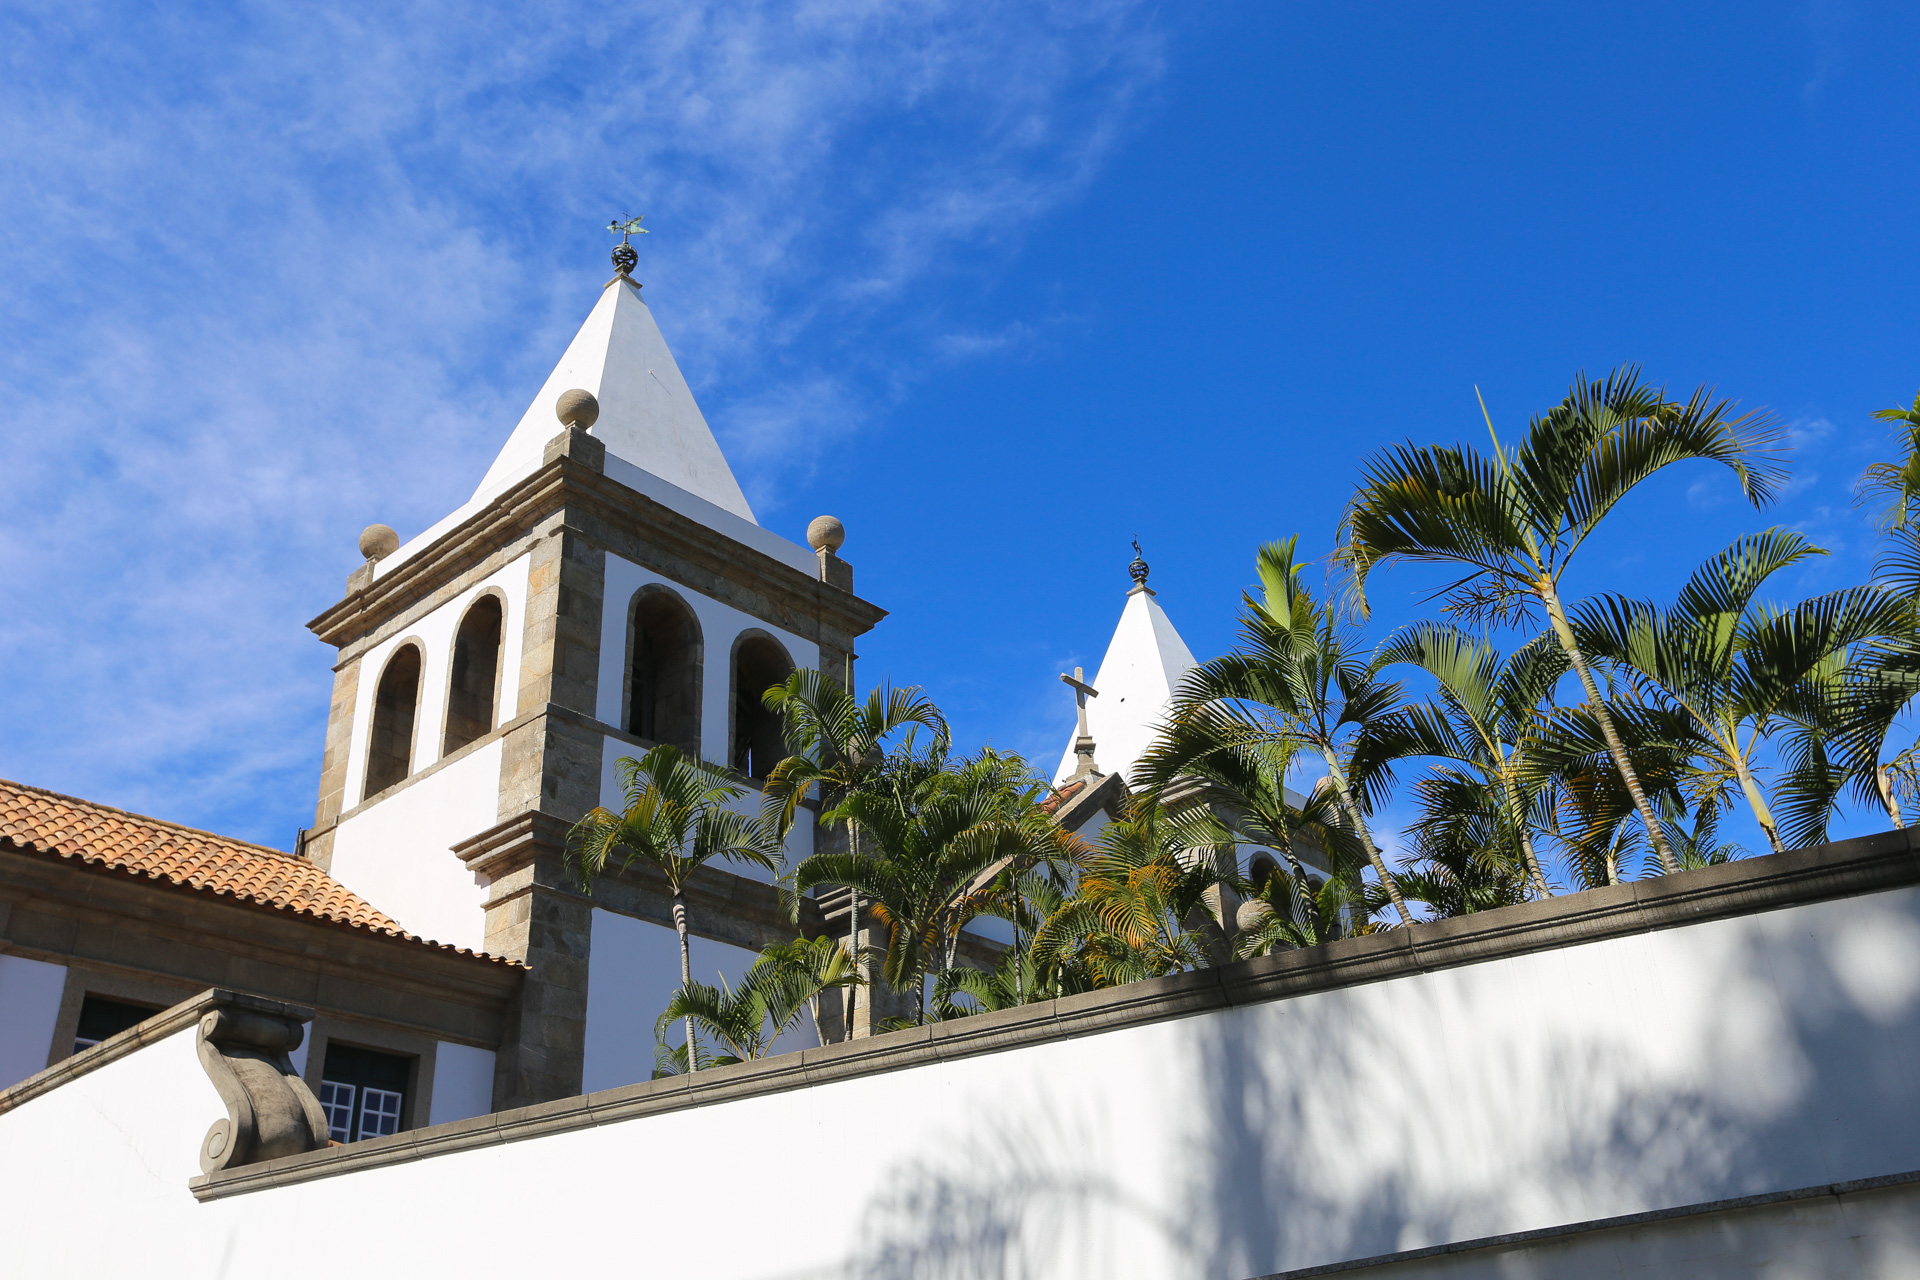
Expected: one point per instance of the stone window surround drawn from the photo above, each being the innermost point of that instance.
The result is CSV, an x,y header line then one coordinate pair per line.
x,y
499,671
699,662
411,640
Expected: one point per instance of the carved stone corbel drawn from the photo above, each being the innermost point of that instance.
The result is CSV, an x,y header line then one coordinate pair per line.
x,y
270,1110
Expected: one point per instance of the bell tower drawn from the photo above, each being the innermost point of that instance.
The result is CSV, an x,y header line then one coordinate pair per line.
x,y
607,587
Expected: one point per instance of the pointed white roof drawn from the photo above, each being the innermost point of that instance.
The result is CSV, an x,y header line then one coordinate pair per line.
x,y
658,442
647,412
1143,666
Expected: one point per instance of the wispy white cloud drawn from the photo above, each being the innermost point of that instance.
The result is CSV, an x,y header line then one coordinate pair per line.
x,y
276,272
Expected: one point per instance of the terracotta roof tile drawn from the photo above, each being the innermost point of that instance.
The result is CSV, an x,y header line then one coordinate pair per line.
x,y
47,822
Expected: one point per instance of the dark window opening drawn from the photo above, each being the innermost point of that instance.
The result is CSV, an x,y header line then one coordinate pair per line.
x,y
363,1092
390,747
663,677
758,740
1261,871
476,671
101,1018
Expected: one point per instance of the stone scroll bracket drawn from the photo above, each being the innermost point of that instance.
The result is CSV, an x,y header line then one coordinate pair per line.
x,y
243,1043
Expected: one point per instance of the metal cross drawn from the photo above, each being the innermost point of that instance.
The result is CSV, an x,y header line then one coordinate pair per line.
x,y
1081,692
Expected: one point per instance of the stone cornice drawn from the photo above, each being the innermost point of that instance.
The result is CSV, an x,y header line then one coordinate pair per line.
x,y
1872,864
566,484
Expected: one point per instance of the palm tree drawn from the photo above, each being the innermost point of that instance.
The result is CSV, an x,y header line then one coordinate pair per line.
x,y
1297,675
677,820
1897,486
1293,910
937,838
1123,923
1222,785
1514,519
1485,722
784,982
838,742
1732,666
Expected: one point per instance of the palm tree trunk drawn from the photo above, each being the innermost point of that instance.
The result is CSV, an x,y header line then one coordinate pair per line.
x,y
1352,811
1758,802
1885,783
686,967
1526,838
853,930
1628,774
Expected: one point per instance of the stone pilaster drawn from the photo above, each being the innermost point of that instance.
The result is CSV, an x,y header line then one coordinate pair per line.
x,y
536,915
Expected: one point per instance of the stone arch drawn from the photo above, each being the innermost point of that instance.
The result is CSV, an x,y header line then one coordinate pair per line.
x,y
1260,869
473,685
666,661
396,706
758,740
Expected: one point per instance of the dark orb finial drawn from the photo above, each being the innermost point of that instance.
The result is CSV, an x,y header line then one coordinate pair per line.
x,y
624,258
1138,569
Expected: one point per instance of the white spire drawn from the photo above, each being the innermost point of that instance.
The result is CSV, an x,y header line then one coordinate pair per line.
x,y
1143,666
647,413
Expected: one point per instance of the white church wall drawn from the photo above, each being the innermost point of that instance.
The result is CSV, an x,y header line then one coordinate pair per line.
x,y
434,634
108,1155
462,1082
1735,1057
398,854
632,971
30,992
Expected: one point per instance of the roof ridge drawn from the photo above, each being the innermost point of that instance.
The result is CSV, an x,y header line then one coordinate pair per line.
x,y
97,807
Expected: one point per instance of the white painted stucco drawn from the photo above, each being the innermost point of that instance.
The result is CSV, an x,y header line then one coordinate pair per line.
x,y
631,974
462,1082
30,992
1143,665
398,853
1734,1057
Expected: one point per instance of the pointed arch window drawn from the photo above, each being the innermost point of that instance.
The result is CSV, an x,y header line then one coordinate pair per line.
x,y
473,692
758,740
664,665
396,700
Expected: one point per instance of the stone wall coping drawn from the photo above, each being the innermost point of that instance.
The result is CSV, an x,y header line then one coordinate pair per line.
x,y
1837,1190
168,1022
560,483
1869,864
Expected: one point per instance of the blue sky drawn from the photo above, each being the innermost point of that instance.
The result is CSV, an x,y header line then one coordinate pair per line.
x,y
1001,285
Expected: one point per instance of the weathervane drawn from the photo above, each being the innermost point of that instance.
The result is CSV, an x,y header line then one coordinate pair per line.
x,y
624,258
1138,569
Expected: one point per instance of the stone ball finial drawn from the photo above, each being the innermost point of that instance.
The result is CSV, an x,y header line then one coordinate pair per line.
x,y
826,534
377,542
577,408
1252,914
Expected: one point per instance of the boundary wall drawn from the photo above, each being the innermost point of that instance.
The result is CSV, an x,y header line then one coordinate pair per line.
x,y
1709,1074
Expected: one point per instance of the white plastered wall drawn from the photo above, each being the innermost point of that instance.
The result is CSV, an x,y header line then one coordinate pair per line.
x,y
30,992
632,972
396,850
462,1082
1730,1058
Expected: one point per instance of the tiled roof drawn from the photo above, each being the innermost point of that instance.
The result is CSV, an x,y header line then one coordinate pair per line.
x,y
50,823
1061,795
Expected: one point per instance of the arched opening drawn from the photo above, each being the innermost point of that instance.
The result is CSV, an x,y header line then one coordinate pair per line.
x,y
758,743
390,746
1261,870
473,691
663,670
